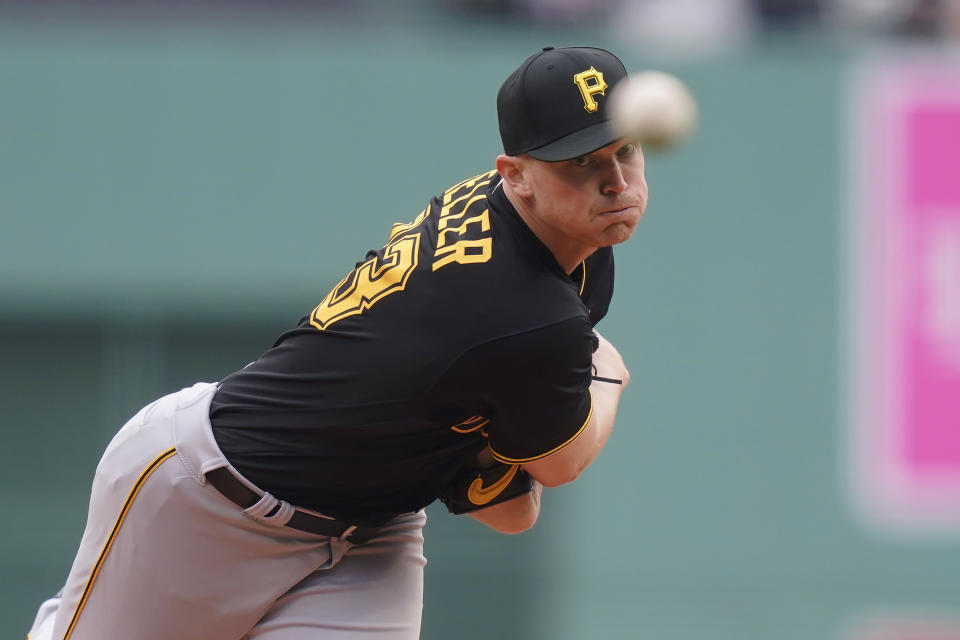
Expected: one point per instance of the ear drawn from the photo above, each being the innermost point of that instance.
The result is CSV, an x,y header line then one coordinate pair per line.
x,y
513,171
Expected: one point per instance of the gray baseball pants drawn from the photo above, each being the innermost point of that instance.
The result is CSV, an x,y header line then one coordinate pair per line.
x,y
164,555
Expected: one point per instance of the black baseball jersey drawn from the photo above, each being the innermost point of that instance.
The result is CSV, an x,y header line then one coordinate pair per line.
x,y
462,332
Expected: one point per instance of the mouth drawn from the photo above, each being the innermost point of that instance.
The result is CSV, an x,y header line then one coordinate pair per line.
x,y
610,213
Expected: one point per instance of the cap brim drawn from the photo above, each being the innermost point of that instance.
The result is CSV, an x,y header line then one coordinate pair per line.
x,y
579,143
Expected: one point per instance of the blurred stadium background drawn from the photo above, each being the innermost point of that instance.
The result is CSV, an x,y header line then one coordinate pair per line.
x,y
181,181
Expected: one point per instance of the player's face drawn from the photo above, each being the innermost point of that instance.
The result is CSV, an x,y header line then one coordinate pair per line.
x,y
592,201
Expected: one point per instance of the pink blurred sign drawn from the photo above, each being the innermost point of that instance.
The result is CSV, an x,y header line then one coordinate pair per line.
x,y
918,626
905,295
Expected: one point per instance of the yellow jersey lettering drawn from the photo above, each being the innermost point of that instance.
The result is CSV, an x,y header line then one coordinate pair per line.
x,y
445,214
590,82
464,252
370,282
466,184
379,277
483,220
400,228
464,216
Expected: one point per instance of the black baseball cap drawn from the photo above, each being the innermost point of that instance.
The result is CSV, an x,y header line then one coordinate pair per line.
x,y
554,106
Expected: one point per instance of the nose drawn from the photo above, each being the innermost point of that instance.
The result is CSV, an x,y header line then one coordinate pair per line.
x,y
614,182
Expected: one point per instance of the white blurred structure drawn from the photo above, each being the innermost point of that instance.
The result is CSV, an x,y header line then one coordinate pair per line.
x,y
930,19
565,11
684,28
869,15
952,15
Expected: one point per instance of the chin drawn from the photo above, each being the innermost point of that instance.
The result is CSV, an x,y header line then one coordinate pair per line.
x,y
617,233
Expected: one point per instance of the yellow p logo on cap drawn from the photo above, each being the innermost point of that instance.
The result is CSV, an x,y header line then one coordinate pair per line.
x,y
590,82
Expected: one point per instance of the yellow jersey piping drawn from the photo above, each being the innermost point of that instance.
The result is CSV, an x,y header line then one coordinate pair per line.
x,y
113,535
503,458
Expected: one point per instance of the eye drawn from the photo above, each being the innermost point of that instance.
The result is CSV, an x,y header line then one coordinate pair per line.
x,y
582,161
626,149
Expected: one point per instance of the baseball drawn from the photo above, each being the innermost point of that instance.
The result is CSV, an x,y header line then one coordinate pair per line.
x,y
654,108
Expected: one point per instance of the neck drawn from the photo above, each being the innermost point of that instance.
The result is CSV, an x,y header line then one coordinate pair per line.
x,y
566,251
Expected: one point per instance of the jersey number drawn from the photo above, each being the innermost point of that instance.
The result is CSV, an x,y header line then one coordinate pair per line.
x,y
371,281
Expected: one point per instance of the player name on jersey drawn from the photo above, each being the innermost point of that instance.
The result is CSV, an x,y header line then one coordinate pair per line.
x,y
462,236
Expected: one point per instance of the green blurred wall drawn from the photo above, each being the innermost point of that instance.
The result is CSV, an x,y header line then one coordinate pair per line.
x,y
172,198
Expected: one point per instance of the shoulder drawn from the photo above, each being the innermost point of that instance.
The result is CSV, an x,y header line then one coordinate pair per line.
x,y
537,351
479,252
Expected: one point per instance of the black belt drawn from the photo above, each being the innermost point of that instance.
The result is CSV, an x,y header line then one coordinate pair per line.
x,y
240,494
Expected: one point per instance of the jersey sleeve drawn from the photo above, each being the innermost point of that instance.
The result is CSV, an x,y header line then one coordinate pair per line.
x,y
595,275
533,387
